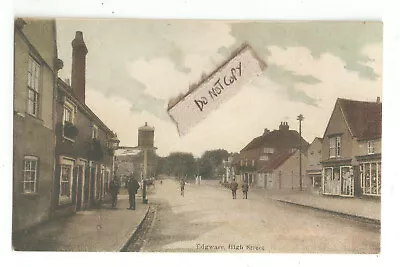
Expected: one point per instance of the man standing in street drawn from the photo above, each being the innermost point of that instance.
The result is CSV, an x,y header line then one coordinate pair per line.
x,y
234,187
182,183
245,188
114,191
133,187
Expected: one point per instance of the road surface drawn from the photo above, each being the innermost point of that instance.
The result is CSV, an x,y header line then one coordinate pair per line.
x,y
207,219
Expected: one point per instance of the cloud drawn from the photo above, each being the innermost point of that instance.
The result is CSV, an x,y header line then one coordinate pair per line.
x,y
135,66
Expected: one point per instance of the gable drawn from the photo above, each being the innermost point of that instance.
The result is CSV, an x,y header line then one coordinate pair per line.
x,y
337,123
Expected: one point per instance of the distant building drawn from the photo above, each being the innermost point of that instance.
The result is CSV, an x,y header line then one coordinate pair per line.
x,y
35,75
282,172
265,148
84,157
351,149
314,167
125,165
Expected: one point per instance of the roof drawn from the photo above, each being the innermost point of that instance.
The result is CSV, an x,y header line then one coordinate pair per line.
x,y
364,119
277,139
276,161
72,96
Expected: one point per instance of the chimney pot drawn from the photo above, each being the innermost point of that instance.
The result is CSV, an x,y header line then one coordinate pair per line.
x,y
378,100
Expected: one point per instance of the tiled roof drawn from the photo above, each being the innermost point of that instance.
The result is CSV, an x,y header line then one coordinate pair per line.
x,y
276,161
277,139
363,118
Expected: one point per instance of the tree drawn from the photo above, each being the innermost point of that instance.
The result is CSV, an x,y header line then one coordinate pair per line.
x,y
211,163
179,164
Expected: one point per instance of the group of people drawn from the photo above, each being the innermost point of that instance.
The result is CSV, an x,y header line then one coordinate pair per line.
x,y
133,187
234,186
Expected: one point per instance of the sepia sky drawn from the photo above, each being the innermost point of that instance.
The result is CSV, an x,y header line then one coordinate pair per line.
x,y
135,66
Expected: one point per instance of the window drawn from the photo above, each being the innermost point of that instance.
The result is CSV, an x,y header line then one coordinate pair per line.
x,y
338,181
95,132
252,162
268,150
264,157
66,170
370,175
241,162
30,174
65,182
371,147
33,87
335,146
293,150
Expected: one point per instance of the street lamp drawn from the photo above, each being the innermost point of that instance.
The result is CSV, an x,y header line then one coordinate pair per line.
x,y
300,118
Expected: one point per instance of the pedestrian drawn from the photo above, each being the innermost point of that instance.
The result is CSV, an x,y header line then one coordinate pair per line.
x,y
182,183
133,187
245,188
234,187
114,191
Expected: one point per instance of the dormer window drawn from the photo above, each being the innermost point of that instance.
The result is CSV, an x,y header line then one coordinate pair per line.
x,y
371,147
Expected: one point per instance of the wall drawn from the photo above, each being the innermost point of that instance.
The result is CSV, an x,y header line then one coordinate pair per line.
x,y
314,155
33,136
289,169
337,125
361,147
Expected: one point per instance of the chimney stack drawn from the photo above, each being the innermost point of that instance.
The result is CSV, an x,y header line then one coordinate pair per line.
x,y
266,131
284,126
378,100
78,75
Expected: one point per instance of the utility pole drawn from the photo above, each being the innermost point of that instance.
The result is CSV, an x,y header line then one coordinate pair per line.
x,y
300,118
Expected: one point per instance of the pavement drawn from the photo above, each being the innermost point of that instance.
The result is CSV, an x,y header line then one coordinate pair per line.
x,y
103,229
365,209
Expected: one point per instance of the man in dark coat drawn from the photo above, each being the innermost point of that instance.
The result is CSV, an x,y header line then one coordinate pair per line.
x,y
245,188
114,191
234,187
133,187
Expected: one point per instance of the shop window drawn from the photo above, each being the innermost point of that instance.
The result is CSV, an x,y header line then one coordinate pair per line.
x,y
338,181
347,181
370,174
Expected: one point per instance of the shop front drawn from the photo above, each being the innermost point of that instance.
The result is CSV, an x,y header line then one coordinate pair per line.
x,y
371,178
338,180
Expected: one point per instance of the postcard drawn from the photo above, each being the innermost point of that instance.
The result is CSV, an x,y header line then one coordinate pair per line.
x,y
201,136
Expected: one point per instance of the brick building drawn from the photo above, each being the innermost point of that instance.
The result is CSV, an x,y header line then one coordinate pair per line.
x,y
265,148
84,154
35,74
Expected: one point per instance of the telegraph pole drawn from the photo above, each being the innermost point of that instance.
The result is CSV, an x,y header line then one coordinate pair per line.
x,y
300,118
